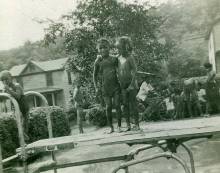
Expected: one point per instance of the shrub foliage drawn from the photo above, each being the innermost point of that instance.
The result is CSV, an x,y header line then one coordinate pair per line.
x,y
37,127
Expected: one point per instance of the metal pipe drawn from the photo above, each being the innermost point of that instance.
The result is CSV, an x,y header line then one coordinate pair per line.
x,y
45,103
49,122
1,163
166,154
19,124
190,156
145,147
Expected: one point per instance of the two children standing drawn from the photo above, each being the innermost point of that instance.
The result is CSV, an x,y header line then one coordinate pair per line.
x,y
118,81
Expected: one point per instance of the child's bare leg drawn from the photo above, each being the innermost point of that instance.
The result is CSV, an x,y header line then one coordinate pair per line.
x,y
108,103
118,109
133,107
126,111
79,120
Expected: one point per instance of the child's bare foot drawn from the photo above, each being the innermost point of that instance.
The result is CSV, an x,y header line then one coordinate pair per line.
x,y
206,115
136,128
128,129
111,130
119,130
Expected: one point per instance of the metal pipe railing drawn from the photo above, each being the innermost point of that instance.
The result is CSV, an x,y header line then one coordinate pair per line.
x,y
45,103
190,157
156,156
19,125
49,122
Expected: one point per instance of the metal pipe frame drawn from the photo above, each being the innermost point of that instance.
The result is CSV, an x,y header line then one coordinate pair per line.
x,y
20,128
168,155
159,144
49,122
1,163
134,152
45,103
192,164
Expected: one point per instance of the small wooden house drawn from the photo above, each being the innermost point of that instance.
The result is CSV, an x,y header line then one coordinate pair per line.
x,y
47,77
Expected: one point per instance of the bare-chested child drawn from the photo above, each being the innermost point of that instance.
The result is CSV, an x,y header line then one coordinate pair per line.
x,y
127,78
105,66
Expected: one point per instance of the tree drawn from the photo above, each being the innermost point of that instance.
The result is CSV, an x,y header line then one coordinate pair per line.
x,y
94,19
185,28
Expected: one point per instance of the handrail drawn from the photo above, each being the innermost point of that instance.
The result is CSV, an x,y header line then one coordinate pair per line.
x,y
159,155
49,123
19,125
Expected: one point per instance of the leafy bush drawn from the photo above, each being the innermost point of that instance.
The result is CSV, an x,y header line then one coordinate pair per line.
x,y
38,123
97,117
72,114
8,134
37,127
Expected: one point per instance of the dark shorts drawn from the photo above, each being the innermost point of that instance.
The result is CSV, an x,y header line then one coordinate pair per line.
x,y
128,96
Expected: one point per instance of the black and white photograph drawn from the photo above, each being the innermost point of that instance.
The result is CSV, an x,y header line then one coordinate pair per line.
x,y
109,86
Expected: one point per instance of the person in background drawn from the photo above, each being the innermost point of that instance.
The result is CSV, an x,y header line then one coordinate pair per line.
x,y
78,100
16,91
202,98
127,71
212,90
196,106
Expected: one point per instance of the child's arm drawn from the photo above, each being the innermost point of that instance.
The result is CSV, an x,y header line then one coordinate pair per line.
x,y
95,73
133,71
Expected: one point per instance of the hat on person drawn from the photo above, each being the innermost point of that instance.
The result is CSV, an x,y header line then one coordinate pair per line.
x,y
5,75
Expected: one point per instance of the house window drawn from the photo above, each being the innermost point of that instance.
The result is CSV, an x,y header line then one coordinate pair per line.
x,y
49,79
69,77
51,99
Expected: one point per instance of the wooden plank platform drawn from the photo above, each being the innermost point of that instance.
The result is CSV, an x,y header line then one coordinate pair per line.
x,y
190,128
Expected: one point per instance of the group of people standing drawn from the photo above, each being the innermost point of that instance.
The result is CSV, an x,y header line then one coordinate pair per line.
x,y
118,84
197,98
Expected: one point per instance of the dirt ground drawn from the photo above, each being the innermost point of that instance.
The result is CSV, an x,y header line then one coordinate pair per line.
x,y
206,155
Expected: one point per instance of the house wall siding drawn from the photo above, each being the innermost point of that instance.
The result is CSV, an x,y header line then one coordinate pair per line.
x,y
34,81
216,30
60,79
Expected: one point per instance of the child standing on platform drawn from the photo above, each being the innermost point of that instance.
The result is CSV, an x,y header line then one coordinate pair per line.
x,y
127,70
105,66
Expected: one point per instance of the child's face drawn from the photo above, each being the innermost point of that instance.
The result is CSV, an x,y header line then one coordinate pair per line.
x,y
104,50
122,49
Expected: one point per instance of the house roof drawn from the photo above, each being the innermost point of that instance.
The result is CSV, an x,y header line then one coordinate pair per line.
x,y
45,89
44,65
16,70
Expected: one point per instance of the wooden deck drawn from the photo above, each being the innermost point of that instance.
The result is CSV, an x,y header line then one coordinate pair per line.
x,y
191,128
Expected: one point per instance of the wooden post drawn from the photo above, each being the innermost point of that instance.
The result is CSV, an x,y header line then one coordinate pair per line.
x,y
1,163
